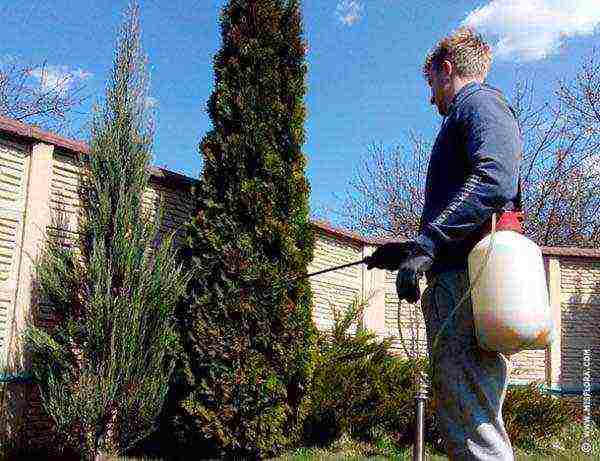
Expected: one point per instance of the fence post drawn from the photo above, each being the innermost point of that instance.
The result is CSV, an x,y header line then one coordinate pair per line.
x,y
36,217
553,351
373,285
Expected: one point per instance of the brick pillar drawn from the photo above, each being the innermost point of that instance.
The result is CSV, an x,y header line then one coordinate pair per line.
x,y
553,352
36,218
373,286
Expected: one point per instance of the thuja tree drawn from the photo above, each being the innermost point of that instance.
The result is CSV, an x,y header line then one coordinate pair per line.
x,y
248,334
103,370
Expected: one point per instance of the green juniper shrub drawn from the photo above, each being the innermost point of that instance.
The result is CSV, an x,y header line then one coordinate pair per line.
x,y
248,336
360,389
103,367
578,409
343,401
532,416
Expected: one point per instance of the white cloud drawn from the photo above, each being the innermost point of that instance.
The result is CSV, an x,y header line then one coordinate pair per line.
x,y
348,11
591,166
151,102
8,59
58,78
534,29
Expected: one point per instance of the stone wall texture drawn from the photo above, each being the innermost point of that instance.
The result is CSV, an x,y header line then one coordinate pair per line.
x,y
38,184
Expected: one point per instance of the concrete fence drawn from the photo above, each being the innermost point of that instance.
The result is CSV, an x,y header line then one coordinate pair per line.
x,y
38,177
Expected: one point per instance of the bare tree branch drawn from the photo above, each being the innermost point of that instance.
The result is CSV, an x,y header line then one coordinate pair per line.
x,y
47,104
390,191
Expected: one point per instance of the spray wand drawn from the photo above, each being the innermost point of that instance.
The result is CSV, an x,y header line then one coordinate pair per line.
x,y
364,260
295,279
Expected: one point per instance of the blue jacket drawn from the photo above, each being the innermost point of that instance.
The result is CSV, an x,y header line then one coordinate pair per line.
x,y
473,171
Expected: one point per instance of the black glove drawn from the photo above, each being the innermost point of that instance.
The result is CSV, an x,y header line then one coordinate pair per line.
x,y
409,273
390,255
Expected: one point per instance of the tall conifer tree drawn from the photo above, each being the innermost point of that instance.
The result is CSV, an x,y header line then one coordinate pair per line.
x,y
248,335
104,369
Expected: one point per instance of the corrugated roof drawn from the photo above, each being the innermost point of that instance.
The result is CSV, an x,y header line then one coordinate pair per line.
x,y
33,133
345,233
571,251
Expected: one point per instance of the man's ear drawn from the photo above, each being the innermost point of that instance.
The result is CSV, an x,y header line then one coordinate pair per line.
x,y
447,68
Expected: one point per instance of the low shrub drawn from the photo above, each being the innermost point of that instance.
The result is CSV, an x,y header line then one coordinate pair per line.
x,y
532,416
359,388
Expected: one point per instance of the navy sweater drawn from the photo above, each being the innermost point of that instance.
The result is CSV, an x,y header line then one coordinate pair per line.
x,y
473,171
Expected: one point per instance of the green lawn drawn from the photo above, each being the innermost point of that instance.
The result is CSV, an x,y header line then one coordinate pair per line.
x,y
313,454
407,455
348,449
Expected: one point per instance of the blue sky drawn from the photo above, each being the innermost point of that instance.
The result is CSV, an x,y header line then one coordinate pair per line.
x,y
364,65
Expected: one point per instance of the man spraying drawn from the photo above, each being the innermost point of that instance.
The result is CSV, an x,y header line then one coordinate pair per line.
x,y
473,172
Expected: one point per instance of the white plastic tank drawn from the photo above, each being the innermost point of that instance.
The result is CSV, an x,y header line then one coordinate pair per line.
x,y
511,309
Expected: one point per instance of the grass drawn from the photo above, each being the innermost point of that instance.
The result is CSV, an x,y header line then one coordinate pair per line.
x,y
565,446
384,449
350,453
315,454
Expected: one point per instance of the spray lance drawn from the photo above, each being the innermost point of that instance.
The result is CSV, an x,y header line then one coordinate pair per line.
x,y
366,260
362,261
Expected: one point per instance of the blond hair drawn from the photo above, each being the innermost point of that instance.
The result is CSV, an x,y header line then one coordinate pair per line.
x,y
470,55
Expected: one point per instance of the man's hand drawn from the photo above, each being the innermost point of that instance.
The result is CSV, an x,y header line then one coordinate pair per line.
x,y
409,273
409,259
390,255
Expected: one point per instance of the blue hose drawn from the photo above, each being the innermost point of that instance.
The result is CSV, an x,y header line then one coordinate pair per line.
x,y
560,390
20,378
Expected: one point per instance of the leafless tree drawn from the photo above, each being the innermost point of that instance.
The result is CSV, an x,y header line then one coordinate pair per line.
x,y
49,103
559,170
561,161
387,192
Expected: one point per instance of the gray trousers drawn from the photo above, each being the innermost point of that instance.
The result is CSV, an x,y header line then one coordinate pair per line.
x,y
469,384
